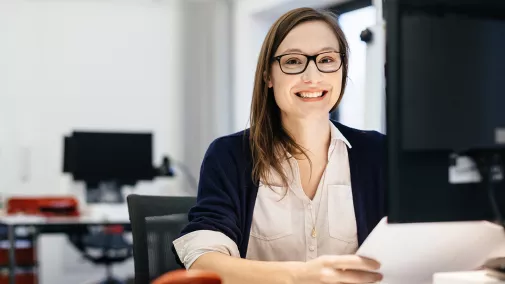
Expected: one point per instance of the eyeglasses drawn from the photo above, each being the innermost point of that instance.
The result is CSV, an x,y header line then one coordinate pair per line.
x,y
295,63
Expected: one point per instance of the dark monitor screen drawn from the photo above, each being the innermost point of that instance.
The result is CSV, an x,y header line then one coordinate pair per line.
x,y
453,81
102,156
445,95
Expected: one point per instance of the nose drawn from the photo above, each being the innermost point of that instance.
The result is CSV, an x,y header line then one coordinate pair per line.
x,y
312,74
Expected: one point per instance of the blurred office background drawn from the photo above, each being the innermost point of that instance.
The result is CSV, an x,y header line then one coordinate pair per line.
x,y
181,69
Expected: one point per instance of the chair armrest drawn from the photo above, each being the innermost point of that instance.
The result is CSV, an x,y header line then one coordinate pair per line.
x,y
183,276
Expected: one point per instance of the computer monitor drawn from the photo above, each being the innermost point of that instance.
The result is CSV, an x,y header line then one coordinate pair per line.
x,y
445,86
106,161
113,156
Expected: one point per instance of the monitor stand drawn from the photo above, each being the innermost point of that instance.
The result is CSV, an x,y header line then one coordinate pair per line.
x,y
106,192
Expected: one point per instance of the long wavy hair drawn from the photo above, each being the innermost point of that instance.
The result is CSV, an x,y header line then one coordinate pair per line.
x,y
270,142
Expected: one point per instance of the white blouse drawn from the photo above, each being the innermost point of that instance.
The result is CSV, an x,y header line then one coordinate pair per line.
x,y
284,218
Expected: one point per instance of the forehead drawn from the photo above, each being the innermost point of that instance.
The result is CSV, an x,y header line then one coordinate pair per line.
x,y
310,38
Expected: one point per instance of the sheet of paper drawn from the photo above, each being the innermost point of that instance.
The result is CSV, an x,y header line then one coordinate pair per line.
x,y
412,253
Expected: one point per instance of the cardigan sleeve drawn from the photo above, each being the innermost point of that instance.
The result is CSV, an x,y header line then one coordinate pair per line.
x,y
195,244
217,202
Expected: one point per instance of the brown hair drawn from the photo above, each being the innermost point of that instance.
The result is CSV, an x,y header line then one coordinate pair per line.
x,y
270,142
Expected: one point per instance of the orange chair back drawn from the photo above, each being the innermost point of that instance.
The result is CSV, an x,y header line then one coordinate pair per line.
x,y
188,277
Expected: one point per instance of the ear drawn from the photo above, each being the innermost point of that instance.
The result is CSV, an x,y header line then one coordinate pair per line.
x,y
267,80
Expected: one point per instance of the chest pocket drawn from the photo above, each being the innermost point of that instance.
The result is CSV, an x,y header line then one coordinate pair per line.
x,y
341,217
272,214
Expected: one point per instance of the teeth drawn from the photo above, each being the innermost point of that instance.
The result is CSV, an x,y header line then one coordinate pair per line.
x,y
311,94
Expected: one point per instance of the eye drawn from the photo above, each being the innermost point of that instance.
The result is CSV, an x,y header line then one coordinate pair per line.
x,y
292,61
327,60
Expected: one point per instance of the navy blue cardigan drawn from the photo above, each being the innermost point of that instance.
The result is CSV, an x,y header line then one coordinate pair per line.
x,y
227,193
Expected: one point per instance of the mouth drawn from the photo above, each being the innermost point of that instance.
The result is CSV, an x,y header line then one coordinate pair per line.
x,y
311,94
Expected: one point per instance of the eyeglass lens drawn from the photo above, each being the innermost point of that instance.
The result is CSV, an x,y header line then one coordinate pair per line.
x,y
296,63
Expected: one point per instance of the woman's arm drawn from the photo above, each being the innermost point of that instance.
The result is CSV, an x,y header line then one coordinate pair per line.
x,y
237,270
214,220
329,269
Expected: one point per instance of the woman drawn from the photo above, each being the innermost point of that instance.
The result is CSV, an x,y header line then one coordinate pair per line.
x,y
292,198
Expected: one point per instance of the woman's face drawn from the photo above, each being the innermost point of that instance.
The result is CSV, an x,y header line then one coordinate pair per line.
x,y
311,93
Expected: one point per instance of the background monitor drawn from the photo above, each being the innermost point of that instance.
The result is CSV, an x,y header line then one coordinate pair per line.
x,y
102,156
107,161
445,110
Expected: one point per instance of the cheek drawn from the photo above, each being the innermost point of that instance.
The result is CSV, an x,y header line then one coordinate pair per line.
x,y
336,83
282,86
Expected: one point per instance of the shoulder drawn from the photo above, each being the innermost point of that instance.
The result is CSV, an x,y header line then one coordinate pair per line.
x,y
368,146
230,143
233,146
362,139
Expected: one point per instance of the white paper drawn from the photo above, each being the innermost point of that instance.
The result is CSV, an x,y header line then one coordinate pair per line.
x,y
412,253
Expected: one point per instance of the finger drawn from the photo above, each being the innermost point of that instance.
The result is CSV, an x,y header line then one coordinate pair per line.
x,y
352,262
355,276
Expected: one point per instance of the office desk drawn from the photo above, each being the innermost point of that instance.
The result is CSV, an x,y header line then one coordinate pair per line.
x,y
36,225
465,277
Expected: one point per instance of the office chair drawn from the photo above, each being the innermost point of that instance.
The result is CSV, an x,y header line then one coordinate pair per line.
x,y
156,221
106,247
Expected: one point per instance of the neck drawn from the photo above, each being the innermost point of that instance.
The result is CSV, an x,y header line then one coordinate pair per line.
x,y
312,134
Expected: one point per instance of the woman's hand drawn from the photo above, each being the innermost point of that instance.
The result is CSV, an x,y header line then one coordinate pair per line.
x,y
336,269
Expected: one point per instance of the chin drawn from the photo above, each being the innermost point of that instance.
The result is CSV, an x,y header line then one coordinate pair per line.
x,y
313,114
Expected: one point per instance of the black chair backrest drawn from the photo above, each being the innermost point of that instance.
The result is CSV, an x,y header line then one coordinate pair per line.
x,y
156,221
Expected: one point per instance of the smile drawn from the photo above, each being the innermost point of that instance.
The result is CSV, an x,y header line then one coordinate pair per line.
x,y
309,95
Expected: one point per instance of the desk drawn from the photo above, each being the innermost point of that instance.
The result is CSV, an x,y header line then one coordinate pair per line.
x,y
465,277
51,225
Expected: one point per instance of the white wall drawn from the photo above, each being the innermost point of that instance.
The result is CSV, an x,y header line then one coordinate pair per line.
x,y
206,75
83,65
86,65
253,18
354,105
107,65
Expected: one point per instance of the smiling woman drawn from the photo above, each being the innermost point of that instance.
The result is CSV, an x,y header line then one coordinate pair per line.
x,y
267,211
290,82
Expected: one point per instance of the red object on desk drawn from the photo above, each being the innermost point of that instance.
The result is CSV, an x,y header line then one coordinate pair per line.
x,y
46,206
188,277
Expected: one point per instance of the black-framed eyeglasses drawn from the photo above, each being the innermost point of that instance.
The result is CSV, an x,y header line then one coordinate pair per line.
x,y
296,63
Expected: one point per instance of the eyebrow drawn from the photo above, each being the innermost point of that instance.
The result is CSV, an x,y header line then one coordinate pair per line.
x,y
289,50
